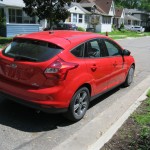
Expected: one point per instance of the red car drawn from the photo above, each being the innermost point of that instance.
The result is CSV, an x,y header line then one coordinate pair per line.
x,y
62,71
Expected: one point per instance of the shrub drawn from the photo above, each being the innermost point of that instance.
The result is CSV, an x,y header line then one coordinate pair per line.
x,y
5,40
113,27
148,93
122,26
80,29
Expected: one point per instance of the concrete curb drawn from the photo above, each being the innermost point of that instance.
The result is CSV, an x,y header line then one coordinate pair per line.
x,y
113,129
98,131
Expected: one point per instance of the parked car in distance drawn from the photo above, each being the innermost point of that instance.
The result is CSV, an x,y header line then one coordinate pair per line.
x,y
65,26
62,71
137,28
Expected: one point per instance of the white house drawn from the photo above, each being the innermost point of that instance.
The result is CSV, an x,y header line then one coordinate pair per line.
x,y
78,15
119,17
17,21
106,12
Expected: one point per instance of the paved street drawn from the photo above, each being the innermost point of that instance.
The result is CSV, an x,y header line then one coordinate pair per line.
x,y
22,128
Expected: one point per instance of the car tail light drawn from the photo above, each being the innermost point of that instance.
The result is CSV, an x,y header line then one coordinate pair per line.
x,y
59,68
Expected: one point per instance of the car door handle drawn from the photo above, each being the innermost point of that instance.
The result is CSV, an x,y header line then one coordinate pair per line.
x,y
93,67
115,64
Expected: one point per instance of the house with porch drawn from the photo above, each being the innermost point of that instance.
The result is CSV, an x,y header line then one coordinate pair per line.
x,y
119,17
78,16
17,21
104,9
140,17
131,20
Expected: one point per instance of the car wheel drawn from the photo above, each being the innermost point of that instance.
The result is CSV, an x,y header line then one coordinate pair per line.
x,y
79,105
129,78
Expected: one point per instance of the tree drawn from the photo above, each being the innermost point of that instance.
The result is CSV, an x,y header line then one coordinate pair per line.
x,y
2,18
145,5
138,4
131,4
52,10
94,21
2,23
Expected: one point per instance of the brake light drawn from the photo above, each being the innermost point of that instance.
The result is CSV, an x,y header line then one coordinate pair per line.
x,y
59,68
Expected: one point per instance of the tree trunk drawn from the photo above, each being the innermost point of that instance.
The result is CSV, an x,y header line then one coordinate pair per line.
x,y
50,16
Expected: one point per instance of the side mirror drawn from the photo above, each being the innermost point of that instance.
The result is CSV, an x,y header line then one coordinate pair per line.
x,y
126,52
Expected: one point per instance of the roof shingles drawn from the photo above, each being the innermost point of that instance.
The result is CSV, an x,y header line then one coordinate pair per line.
x,y
104,5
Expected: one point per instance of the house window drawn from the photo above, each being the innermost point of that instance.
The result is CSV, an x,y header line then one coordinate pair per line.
x,y
12,16
106,20
129,22
112,8
86,18
18,16
74,18
135,22
80,18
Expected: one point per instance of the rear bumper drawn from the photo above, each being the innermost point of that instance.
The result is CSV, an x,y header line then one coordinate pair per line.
x,y
54,98
44,108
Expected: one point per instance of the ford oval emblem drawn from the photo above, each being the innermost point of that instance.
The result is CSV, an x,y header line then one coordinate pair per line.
x,y
13,65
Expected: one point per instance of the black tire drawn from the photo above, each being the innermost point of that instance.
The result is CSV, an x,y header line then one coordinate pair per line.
x,y
78,105
129,78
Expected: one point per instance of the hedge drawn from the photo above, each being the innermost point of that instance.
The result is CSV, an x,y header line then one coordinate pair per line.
x,y
4,40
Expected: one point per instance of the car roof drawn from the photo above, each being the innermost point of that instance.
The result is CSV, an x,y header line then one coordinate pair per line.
x,y
62,38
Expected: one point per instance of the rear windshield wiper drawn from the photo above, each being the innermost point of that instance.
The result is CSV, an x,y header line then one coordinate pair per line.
x,y
24,58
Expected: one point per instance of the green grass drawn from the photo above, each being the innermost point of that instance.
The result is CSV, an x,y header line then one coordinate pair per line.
x,y
126,34
135,133
143,119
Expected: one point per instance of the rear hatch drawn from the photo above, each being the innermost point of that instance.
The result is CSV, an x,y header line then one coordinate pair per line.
x,y
24,61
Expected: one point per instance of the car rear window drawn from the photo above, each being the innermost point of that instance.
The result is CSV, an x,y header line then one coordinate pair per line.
x,y
32,49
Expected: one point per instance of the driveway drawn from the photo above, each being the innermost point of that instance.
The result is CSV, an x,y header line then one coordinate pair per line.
x,y
22,128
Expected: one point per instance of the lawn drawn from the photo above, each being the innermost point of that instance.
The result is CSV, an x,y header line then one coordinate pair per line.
x,y
126,34
135,133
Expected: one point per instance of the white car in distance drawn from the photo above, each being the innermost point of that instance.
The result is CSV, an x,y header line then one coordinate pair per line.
x,y
137,28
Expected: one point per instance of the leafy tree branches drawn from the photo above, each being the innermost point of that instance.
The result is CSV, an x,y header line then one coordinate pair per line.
x,y
131,4
52,10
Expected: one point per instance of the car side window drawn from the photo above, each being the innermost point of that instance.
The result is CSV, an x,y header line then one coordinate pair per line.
x,y
78,51
113,49
92,49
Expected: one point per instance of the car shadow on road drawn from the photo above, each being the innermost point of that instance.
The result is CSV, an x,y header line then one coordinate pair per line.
x,y
28,120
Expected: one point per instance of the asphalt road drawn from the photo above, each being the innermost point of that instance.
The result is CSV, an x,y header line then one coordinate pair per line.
x,y
22,128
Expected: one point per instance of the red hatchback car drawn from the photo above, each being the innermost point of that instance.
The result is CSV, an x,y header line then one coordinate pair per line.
x,y
62,71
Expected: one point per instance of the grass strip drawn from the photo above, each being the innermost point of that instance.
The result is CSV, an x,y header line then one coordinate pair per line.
x,y
135,132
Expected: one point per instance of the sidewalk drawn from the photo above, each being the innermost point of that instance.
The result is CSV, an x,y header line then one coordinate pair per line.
x,y
100,130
